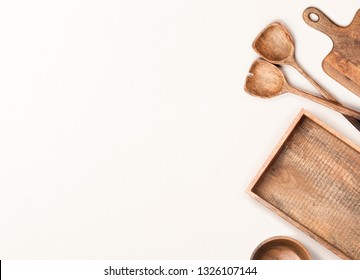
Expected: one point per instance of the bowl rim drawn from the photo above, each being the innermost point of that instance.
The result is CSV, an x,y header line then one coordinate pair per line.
x,y
283,238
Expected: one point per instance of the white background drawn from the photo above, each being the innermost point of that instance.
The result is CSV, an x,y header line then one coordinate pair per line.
x,y
95,269
126,132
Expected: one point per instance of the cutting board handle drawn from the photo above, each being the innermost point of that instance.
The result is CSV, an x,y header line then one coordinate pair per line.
x,y
318,20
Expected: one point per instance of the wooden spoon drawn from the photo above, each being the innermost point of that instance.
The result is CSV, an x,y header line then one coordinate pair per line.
x,y
276,45
266,80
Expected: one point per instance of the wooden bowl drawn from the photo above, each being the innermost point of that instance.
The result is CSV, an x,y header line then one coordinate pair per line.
x,y
281,248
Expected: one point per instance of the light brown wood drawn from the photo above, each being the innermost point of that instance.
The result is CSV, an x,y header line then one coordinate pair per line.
x,y
276,45
311,180
281,248
266,80
343,62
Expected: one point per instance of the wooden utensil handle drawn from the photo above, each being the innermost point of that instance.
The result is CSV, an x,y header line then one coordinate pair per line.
x,y
324,92
330,104
318,20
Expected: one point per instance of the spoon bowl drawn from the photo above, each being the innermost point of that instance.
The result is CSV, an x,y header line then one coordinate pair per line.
x,y
275,44
264,80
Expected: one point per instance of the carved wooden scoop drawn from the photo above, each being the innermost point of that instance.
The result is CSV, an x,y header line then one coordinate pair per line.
x,y
266,80
276,45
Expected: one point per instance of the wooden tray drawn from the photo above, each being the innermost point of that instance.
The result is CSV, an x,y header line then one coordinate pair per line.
x,y
312,180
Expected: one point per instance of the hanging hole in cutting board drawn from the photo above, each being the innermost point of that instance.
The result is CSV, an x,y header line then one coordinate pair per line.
x,y
314,17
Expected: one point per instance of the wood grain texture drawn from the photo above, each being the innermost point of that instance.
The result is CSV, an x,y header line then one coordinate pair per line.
x,y
281,248
266,80
276,45
343,62
312,180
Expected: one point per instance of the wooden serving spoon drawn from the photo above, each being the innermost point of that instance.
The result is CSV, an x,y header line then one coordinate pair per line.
x,y
266,80
276,45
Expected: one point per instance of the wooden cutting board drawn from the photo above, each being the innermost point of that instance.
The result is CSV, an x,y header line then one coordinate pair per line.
x,y
312,180
343,62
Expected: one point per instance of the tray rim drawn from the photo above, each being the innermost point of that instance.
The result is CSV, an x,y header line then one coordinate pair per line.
x,y
303,113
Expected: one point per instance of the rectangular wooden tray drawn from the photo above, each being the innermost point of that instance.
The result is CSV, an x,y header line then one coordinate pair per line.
x,y
312,180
